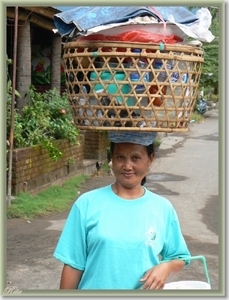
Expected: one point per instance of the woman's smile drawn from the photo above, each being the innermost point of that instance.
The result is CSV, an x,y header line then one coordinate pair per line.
x,y
128,175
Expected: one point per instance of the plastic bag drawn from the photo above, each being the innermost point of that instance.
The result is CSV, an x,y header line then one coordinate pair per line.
x,y
134,36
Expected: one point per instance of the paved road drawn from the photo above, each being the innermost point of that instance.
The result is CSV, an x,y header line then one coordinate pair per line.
x,y
188,177
186,173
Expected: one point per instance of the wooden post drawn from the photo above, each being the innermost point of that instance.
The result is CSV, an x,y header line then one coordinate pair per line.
x,y
55,62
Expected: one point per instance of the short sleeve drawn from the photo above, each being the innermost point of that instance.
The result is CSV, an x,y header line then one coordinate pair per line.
x,y
71,247
175,246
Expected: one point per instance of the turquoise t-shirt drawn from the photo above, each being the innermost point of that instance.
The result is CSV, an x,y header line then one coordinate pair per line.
x,y
115,241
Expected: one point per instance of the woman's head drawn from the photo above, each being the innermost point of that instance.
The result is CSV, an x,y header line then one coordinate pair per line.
x,y
128,142
130,162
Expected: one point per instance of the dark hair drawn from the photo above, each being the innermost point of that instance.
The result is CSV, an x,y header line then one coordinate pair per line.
x,y
149,149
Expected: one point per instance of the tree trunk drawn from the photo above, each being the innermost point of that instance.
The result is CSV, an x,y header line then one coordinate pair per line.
x,y
55,63
23,77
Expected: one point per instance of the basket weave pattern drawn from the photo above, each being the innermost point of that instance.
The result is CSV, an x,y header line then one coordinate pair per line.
x,y
102,95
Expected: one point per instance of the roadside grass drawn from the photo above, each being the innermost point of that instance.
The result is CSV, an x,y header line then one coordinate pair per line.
x,y
157,142
105,167
53,199
197,117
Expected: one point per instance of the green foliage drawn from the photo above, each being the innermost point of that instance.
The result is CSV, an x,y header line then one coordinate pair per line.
x,y
157,142
210,73
8,81
45,119
9,90
197,117
71,160
53,199
211,57
213,98
105,167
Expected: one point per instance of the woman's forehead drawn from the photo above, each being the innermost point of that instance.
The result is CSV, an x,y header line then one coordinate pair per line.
x,y
129,147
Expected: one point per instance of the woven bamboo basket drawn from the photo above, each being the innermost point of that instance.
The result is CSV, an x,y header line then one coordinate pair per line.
x,y
103,96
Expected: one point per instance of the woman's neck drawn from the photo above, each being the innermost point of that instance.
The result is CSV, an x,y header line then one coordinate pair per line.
x,y
128,193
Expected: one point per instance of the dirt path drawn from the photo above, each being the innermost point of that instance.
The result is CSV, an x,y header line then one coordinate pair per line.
x,y
30,245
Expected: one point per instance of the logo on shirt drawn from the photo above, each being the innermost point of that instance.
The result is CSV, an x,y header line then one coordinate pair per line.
x,y
151,236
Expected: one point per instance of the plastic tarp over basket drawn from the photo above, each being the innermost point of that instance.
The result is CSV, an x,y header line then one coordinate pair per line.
x,y
82,18
103,96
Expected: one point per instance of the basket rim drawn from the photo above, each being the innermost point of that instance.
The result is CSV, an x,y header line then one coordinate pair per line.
x,y
121,44
135,129
192,52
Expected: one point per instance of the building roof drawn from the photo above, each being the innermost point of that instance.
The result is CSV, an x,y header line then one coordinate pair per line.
x,y
41,16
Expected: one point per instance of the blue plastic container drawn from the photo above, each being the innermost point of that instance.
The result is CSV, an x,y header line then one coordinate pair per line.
x,y
111,87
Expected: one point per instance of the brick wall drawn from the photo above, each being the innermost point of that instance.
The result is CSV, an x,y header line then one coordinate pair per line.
x,y
96,143
33,168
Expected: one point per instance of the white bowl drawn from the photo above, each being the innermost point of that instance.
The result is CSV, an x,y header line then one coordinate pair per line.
x,y
187,285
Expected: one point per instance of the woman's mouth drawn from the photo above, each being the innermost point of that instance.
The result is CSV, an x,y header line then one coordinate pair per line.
x,y
128,175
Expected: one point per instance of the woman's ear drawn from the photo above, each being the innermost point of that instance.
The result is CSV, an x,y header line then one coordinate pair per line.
x,y
151,158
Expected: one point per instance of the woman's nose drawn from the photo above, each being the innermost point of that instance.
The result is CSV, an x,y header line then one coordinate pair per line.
x,y
127,164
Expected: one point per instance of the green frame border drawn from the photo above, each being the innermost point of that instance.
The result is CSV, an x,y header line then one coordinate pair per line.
x,y
222,168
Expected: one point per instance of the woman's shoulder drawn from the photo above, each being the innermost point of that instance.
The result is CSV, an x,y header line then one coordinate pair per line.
x,y
94,194
158,199
98,191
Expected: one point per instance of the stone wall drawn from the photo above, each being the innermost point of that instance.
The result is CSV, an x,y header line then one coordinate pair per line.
x,y
33,168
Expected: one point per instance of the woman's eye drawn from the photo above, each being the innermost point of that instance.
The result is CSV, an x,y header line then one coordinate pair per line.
x,y
136,157
119,157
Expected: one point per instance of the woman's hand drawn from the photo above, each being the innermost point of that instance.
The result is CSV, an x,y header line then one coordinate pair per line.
x,y
156,277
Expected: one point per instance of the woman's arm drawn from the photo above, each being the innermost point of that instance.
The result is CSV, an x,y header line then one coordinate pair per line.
x,y
70,278
156,277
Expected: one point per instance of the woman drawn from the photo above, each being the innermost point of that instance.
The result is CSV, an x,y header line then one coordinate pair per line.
x,y
115,235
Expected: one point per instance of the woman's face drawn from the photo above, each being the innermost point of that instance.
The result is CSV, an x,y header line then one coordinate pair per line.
x,y
130,163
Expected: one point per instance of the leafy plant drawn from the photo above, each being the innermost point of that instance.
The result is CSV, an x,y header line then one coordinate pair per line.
x,y
157,142
71,161
9,82
9,90
105,167
210,74
197,117
44,120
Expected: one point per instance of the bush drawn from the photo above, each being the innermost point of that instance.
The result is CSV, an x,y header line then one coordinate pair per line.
x,y
44,120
